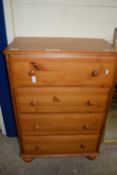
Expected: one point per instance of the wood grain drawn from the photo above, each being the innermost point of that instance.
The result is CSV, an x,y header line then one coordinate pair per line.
x,y
60,144
35,44
63,72
61,124
64,111
49,100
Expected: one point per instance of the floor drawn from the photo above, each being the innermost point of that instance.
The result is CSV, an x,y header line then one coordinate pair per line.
x,y
111,126
12,164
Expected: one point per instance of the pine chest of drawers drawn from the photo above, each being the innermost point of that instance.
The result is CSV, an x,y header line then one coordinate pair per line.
x,y
61,90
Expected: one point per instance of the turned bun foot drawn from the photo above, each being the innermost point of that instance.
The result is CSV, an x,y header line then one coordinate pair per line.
x,y
92,157
27,159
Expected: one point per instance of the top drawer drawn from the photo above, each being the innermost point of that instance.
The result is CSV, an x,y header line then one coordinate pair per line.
x,y
80,71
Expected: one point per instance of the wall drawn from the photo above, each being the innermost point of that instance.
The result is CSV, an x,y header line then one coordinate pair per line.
x,y
2,127
65,18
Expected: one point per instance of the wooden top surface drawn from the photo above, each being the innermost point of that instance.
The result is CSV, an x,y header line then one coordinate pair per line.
x,y
26,44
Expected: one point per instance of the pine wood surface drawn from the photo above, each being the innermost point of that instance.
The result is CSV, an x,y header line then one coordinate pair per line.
x,y
61,124
64,112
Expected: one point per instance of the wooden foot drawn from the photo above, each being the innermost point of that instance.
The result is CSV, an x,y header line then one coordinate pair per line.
x,y
92,157
27,159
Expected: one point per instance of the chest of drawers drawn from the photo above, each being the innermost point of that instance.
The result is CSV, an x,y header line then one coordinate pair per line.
x,y
61,91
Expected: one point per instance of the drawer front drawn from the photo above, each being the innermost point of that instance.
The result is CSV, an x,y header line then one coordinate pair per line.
x,y
65,124
44,145
47,100
29,71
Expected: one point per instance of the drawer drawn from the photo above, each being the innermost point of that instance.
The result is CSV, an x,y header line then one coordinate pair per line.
x,y
50,100
61,124
79,71
45,145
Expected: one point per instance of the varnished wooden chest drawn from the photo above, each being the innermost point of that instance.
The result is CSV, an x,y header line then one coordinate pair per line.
x,y
61,90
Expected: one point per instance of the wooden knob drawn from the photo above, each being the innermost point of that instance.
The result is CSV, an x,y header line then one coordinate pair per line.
x,y
36,128
35,66
34,103
37,147
86,127
32,73
89,103
55,99
95,73
82,146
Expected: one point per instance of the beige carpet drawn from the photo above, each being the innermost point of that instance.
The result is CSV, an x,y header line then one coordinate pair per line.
x,y
111,126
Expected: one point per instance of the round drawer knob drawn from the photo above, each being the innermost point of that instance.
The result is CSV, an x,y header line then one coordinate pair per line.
x,y
36,128
89,103
37,147
86,127
32,73
95,73
82,146
34,103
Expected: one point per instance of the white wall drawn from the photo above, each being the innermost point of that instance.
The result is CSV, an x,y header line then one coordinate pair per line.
x,y
8,10
65,18
2,126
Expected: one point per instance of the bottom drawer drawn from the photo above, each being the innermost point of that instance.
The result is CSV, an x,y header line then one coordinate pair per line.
x,y
53,145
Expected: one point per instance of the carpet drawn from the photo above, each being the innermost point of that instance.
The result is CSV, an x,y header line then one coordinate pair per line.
x,y
111,125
